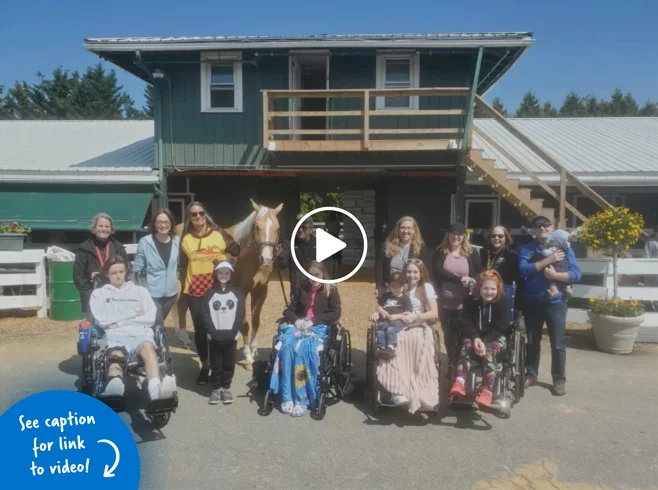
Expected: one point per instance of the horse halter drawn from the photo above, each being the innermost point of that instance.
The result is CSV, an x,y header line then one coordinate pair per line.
x,y
260,246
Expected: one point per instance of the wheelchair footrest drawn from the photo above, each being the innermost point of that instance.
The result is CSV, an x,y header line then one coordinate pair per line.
x,y
163,406
116,403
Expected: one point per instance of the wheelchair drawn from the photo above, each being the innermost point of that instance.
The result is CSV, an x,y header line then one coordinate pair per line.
x,y
334,372
380,397
95,365
509,386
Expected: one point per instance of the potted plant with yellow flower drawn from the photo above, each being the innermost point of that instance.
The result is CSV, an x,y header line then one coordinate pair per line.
x,y
615,322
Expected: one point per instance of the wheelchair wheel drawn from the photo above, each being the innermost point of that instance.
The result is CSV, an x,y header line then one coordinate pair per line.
x,y
345,350
321,411
268,404
371,369
519,367
161,420
87,378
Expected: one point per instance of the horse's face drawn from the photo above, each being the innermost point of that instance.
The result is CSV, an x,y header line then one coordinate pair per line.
x,y
266,232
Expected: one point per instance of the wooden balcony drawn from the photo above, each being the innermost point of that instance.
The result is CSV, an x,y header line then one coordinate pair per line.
x,y
347,120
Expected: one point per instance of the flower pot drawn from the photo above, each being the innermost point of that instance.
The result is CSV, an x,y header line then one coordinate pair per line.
x,y
615,334
11,242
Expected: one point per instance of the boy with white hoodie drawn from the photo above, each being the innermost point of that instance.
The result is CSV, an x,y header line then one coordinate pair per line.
x,y
127,313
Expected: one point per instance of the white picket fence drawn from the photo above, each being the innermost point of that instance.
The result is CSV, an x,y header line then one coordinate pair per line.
x,y
634,276
26,268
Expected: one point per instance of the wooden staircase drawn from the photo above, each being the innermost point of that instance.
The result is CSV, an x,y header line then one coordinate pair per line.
x,y
508,189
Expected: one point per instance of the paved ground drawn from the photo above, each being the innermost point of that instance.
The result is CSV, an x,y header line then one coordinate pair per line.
x,y
603,434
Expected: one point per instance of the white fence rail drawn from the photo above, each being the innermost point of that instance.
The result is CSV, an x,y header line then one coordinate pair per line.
x,y
638,279
26,268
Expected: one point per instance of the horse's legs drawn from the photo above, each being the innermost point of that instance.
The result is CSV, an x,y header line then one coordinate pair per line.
x,y
244,330
258,296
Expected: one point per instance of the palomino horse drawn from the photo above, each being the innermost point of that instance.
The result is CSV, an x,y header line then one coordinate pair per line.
x,y
258,236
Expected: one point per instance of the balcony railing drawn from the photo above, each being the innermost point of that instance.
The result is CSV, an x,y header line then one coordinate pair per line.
x,y
352,123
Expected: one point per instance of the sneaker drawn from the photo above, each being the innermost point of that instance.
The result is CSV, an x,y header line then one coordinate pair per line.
x,y
168,386
458,388
484,398
215,397
399,400
558,388
227,398
204,374
530,382
115,387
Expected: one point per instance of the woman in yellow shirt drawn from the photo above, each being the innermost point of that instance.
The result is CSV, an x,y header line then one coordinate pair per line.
x,y
202,243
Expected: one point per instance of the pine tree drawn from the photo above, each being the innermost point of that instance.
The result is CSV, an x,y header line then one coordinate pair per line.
x,y
593,107
148,108
498,105
573,106
529,106
98,96
4,110
548,110
649,109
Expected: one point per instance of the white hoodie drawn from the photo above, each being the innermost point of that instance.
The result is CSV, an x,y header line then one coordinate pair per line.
x,y
110,304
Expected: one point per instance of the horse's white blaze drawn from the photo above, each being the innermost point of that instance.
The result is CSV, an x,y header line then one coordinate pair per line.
x,y
267,252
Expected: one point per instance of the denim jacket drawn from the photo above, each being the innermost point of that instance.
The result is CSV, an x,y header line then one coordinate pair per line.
x,y
161,278
535,283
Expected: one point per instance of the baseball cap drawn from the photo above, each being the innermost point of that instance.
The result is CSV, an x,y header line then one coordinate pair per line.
x,y
307,221
540,220
398,278
457,228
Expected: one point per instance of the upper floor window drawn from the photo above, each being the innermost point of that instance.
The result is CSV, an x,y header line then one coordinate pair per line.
x,y
221,82
398,72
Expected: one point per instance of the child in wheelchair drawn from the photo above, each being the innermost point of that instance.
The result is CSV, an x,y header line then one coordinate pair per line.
x,y
126,314
391,307
482,332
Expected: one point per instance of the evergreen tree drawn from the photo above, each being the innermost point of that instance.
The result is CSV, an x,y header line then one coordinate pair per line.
x,y
498,105
148,108
4,110
573,106
592,106
649,109
98,96
529,106
548,110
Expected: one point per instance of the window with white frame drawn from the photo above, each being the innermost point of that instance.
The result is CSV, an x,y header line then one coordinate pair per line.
x,y
398,72
221,82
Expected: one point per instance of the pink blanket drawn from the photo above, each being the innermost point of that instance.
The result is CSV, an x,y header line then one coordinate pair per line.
x,y
412,372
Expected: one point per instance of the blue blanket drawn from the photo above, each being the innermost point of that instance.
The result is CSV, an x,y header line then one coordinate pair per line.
x,y
296,366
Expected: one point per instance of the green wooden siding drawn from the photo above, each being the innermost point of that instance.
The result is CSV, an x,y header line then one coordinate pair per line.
x,y
218,140
234,140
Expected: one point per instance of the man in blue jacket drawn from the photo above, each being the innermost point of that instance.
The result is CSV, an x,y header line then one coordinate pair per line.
x,y
540,308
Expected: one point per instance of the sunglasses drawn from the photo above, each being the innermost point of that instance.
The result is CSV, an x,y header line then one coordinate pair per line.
x,y
414,261
495,235
543,226
196,214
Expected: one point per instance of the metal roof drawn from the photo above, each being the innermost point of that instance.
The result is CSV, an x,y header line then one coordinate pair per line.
x,y
588,146
80,146
320,40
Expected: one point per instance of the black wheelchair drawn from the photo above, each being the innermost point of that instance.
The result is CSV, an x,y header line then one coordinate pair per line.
x,y
509,387
94,374
334,377
379,397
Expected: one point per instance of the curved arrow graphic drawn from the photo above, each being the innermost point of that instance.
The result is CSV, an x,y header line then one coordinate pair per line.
x,y
109,472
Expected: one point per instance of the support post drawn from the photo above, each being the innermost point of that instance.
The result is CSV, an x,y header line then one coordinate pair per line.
x,y
563,199
366,119
460,200
163,199
266,121
41,288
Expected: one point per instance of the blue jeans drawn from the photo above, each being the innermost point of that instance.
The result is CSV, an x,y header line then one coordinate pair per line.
x,y
555,317
386,332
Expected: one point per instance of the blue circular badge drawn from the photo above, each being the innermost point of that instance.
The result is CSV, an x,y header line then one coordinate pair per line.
x,y
66,440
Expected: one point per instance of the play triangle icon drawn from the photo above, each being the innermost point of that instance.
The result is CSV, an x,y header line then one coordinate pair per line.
x,y
326,245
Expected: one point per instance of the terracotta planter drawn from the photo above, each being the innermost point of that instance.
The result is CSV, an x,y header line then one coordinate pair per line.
x,y
11,242
615,334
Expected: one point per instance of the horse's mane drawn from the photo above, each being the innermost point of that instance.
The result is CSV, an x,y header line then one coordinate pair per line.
x,y
241,232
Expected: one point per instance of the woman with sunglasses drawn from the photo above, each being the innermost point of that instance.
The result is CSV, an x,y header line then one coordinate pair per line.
x,y
403,243
157,260
91,256
455,265
498,255
202,243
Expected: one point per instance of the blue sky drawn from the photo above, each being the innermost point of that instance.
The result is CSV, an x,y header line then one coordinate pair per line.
x,y
589,46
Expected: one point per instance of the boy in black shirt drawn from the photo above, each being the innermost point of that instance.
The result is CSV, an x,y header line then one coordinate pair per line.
x,y
388,316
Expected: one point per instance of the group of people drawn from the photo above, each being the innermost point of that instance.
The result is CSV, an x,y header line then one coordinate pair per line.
x,y
469,292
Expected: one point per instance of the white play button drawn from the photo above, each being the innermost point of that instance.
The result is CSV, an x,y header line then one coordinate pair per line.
x,y
326,245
